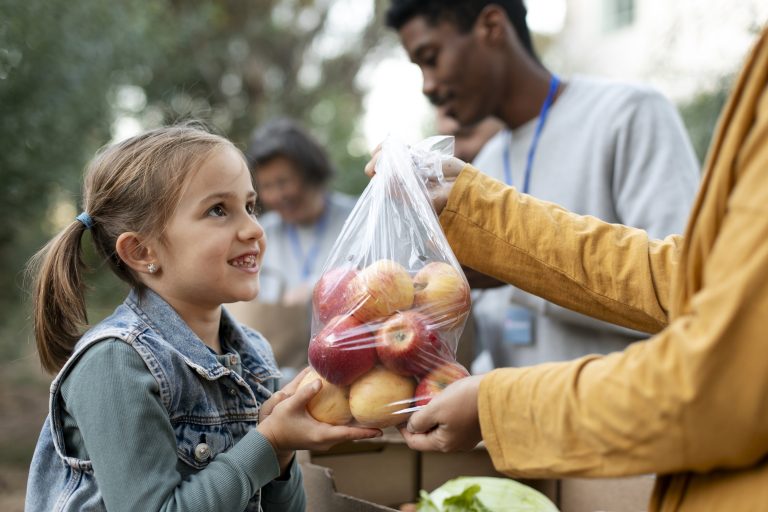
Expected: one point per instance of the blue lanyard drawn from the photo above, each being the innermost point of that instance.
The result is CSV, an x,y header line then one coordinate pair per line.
x,y
308,261
553,84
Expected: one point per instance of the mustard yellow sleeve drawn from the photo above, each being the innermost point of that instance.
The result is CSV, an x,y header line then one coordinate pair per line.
x,y
611,272
692,398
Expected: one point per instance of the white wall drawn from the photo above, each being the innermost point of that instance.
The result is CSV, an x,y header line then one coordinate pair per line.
x,y
680,46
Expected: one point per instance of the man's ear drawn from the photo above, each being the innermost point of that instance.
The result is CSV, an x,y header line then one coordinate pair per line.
x,y
134,253
492,25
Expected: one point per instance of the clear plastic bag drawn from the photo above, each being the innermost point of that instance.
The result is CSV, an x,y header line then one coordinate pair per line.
x,y
392,301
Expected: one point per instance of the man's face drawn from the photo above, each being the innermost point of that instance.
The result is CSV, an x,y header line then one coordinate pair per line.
x,y
454,66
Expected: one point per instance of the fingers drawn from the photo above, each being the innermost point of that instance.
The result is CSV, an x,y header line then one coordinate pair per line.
x,y
370,167
422,421
304,394
292,386
420,442
333,435
354,433
268,406
452,166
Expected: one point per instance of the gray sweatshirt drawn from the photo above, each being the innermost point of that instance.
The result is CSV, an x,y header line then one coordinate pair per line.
x,y
613,150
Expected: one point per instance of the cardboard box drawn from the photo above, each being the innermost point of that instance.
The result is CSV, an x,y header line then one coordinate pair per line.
x,y
381,471
322,495
382,474
608,494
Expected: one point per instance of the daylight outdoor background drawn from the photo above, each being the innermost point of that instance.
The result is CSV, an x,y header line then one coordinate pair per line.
x,y
75,75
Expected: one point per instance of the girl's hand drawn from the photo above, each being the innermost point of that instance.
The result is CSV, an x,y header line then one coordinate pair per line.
x,y
288,426
438,190
280,395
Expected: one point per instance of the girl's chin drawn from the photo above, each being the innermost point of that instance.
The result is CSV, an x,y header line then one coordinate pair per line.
x,y
246,296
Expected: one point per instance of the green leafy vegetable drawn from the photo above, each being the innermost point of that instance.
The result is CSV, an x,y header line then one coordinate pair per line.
x,y
484,494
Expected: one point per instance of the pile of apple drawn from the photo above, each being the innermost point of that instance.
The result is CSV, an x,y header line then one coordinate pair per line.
x,y
383,346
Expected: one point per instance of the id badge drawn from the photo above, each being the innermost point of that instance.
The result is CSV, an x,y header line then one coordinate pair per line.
x,y
518,326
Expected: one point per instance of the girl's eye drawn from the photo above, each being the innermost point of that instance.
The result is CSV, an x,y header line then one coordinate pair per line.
x,y
217,211
252,209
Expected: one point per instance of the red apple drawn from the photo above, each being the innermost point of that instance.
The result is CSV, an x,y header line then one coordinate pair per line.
x,y
407,344
379,290
437,380
442,294
330,295
343,350
374,397
330,404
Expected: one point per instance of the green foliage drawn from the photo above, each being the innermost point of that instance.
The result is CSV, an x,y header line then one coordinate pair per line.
x,y
69,70
701,113
56,63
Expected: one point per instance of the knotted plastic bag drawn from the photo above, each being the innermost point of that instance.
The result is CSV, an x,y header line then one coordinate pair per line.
x,y
392,300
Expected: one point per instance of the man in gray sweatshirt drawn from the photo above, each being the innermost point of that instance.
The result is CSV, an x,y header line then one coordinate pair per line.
x,y
616,151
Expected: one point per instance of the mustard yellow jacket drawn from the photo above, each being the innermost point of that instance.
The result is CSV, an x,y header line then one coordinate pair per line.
x,y
691,403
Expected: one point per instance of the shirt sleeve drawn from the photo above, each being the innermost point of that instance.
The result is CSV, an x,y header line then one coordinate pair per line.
x,y
611,272
655,174
126,432
690,399
285,495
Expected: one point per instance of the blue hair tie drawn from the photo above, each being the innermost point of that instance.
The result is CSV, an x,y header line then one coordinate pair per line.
x,y
86,219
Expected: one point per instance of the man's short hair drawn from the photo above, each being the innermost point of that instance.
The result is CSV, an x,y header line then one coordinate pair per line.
x,y
462,13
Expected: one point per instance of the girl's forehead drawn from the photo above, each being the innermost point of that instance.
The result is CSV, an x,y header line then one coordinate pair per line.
x,y
223,172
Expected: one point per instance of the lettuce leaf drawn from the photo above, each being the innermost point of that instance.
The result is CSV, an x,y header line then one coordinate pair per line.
x,y
484,494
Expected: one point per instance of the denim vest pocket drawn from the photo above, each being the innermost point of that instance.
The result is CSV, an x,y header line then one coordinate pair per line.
x,y
79,493
198,443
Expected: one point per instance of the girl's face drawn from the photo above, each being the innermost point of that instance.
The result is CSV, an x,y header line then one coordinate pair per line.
x,y
212,248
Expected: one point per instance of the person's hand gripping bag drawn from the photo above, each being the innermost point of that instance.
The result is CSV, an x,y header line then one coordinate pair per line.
x,y
392,301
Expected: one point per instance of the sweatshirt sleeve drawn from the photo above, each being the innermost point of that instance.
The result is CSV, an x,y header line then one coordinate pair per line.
x,y
127,434
285,494
611,272
655,172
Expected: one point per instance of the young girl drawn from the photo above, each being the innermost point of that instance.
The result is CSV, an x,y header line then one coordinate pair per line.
x,y
168,403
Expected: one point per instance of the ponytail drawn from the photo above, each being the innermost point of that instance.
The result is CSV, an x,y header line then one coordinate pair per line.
x,y
58,298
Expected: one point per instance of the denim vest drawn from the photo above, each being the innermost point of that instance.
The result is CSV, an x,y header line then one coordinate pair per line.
x,y
195,389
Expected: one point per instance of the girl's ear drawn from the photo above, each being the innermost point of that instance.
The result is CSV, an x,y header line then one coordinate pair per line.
x,y
135,254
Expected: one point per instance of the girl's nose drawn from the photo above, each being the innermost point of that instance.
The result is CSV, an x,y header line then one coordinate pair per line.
x,y
251,229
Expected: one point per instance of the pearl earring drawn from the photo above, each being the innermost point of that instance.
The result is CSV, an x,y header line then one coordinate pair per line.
x,y
151,268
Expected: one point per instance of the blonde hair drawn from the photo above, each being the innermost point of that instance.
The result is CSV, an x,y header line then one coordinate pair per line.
x,y
134,185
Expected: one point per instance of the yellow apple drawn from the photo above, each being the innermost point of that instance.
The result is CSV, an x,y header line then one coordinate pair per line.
x,y
330,404
441,294
379,393
379,290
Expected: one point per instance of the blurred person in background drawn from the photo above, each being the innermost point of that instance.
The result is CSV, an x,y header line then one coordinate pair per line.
x,y
614,150
292,173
